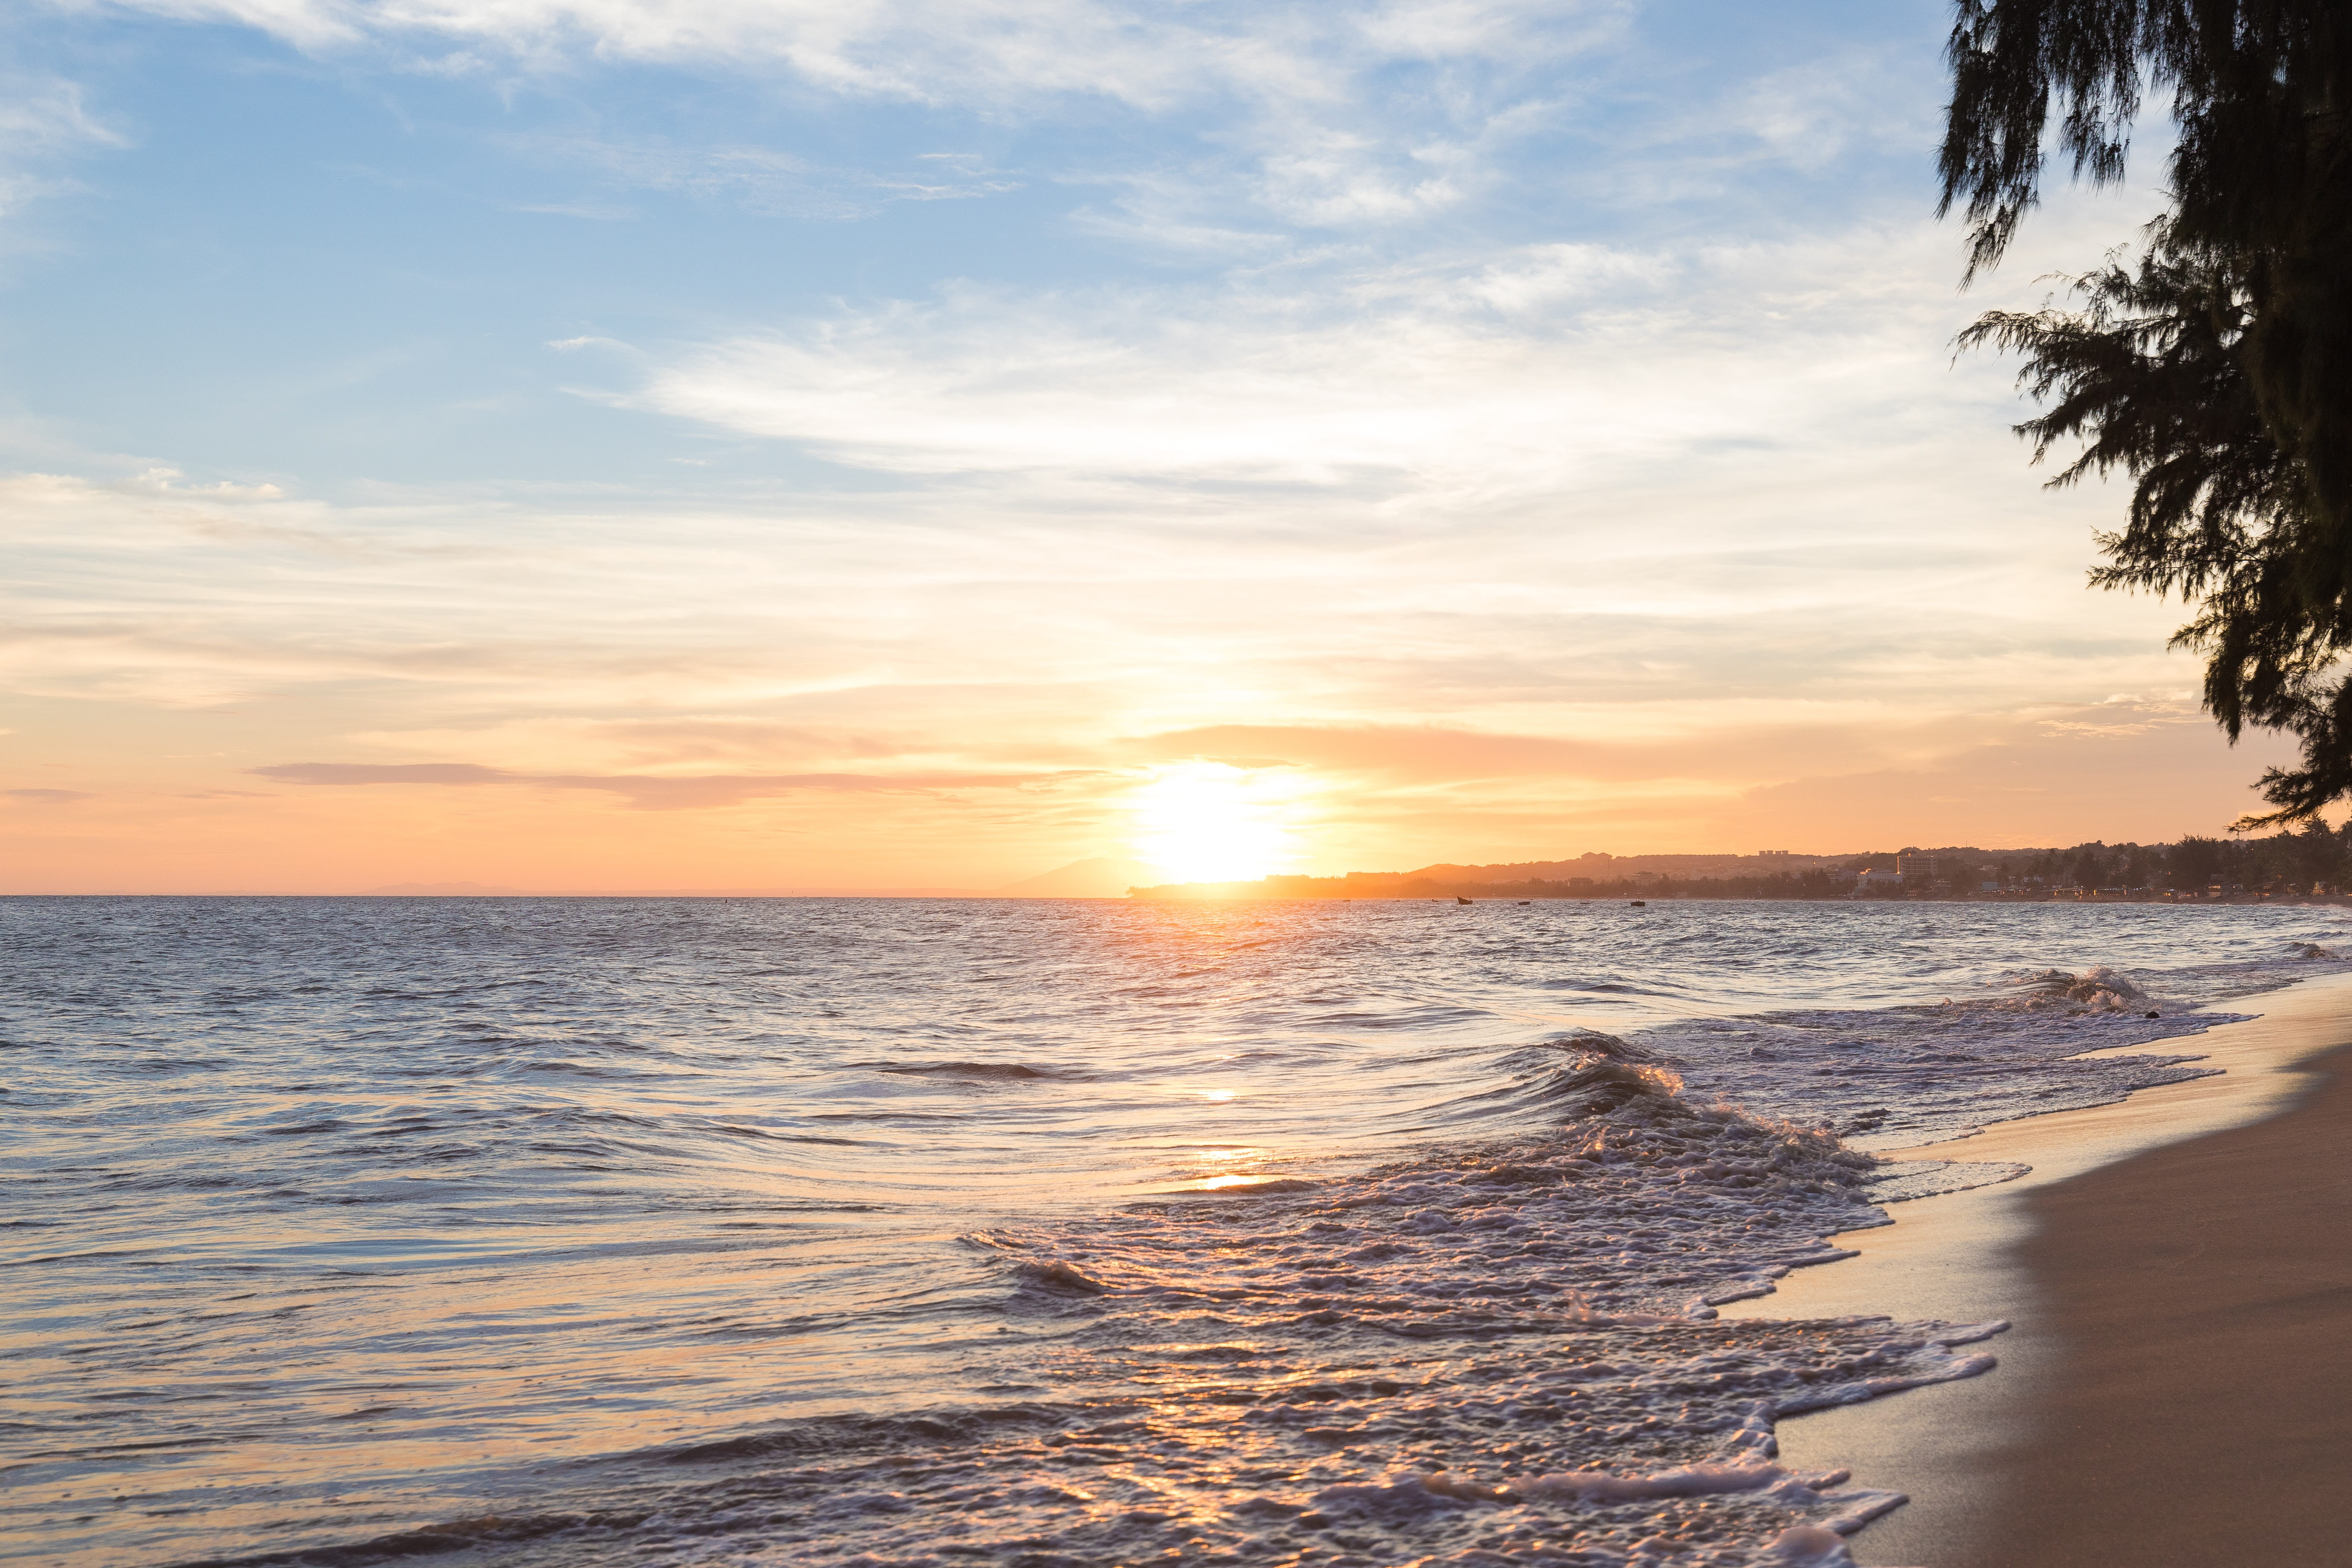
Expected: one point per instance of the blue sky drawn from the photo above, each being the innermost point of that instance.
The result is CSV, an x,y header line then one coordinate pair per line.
x,y
952,414
346,262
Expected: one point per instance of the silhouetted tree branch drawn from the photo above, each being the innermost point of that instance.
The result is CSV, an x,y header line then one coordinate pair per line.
x,y
2216,371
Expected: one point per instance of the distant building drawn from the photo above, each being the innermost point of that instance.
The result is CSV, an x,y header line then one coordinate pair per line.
x,y
1915,867
1772,854
1875,881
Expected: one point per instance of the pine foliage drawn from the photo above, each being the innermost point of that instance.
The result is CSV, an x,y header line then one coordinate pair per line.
x,y
2216,371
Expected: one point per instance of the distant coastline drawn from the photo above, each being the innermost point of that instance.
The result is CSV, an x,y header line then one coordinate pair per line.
x,y
2315,865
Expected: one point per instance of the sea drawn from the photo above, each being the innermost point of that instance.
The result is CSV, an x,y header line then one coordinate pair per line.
x,y
1014,1233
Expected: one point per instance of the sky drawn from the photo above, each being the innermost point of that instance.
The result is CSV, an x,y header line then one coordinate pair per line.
x,y
603,445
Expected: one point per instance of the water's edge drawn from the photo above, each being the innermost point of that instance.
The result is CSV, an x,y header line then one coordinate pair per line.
x,y
1954,1255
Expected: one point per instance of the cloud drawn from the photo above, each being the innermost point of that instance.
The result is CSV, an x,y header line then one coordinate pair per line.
x,y
651,792
757,179
1343,116
42,120
1538,367
49,796
595,212
1018,617
588,745
47,114
394,773
1429,753
928,51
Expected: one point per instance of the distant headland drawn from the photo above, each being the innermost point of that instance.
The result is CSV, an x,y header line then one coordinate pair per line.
x,y
2314,863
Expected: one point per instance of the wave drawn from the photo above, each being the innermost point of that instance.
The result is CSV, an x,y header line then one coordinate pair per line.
x,y
1899,1077
1503,1353
999,1071
2097,990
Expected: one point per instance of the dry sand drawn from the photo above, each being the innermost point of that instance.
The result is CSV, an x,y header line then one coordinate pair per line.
x,y
2156,1404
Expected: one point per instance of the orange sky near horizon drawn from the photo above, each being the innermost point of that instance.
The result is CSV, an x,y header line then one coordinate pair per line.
x,y
1320,800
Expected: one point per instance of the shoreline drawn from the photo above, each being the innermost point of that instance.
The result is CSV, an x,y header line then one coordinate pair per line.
x,y
1960,1450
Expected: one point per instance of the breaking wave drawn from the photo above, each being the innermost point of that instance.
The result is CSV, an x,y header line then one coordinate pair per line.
x,y
1503,1355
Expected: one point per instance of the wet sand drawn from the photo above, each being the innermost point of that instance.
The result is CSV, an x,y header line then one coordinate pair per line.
x,y
2178,1388
2200,1408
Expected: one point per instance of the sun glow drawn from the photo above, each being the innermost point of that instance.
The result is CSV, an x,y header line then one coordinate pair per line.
x,y
1209,821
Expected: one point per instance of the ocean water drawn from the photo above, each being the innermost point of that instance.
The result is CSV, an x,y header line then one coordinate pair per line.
x,y
1024,1233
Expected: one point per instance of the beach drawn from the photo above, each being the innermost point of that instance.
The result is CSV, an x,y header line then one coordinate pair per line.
x,y
2202,1295
2177,1268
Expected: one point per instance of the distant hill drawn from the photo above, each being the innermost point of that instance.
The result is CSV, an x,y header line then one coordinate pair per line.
x,y
1103,877
2313,862
1612,866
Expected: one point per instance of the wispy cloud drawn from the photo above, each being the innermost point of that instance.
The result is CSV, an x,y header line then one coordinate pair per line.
x,y
996,51
1536,368
1342,116
47,114
45,120
595,212
650,792
754,178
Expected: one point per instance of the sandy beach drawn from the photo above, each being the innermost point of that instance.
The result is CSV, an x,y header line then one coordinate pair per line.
x,y
2175,1389
2200,1408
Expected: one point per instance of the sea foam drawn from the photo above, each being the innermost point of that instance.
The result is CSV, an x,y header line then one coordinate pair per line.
x,y
1504,1355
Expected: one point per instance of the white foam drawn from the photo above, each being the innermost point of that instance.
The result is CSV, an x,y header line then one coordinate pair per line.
x,y
1499,1355
1894,1078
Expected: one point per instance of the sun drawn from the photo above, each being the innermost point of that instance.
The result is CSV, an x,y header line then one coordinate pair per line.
x,y
1209,821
